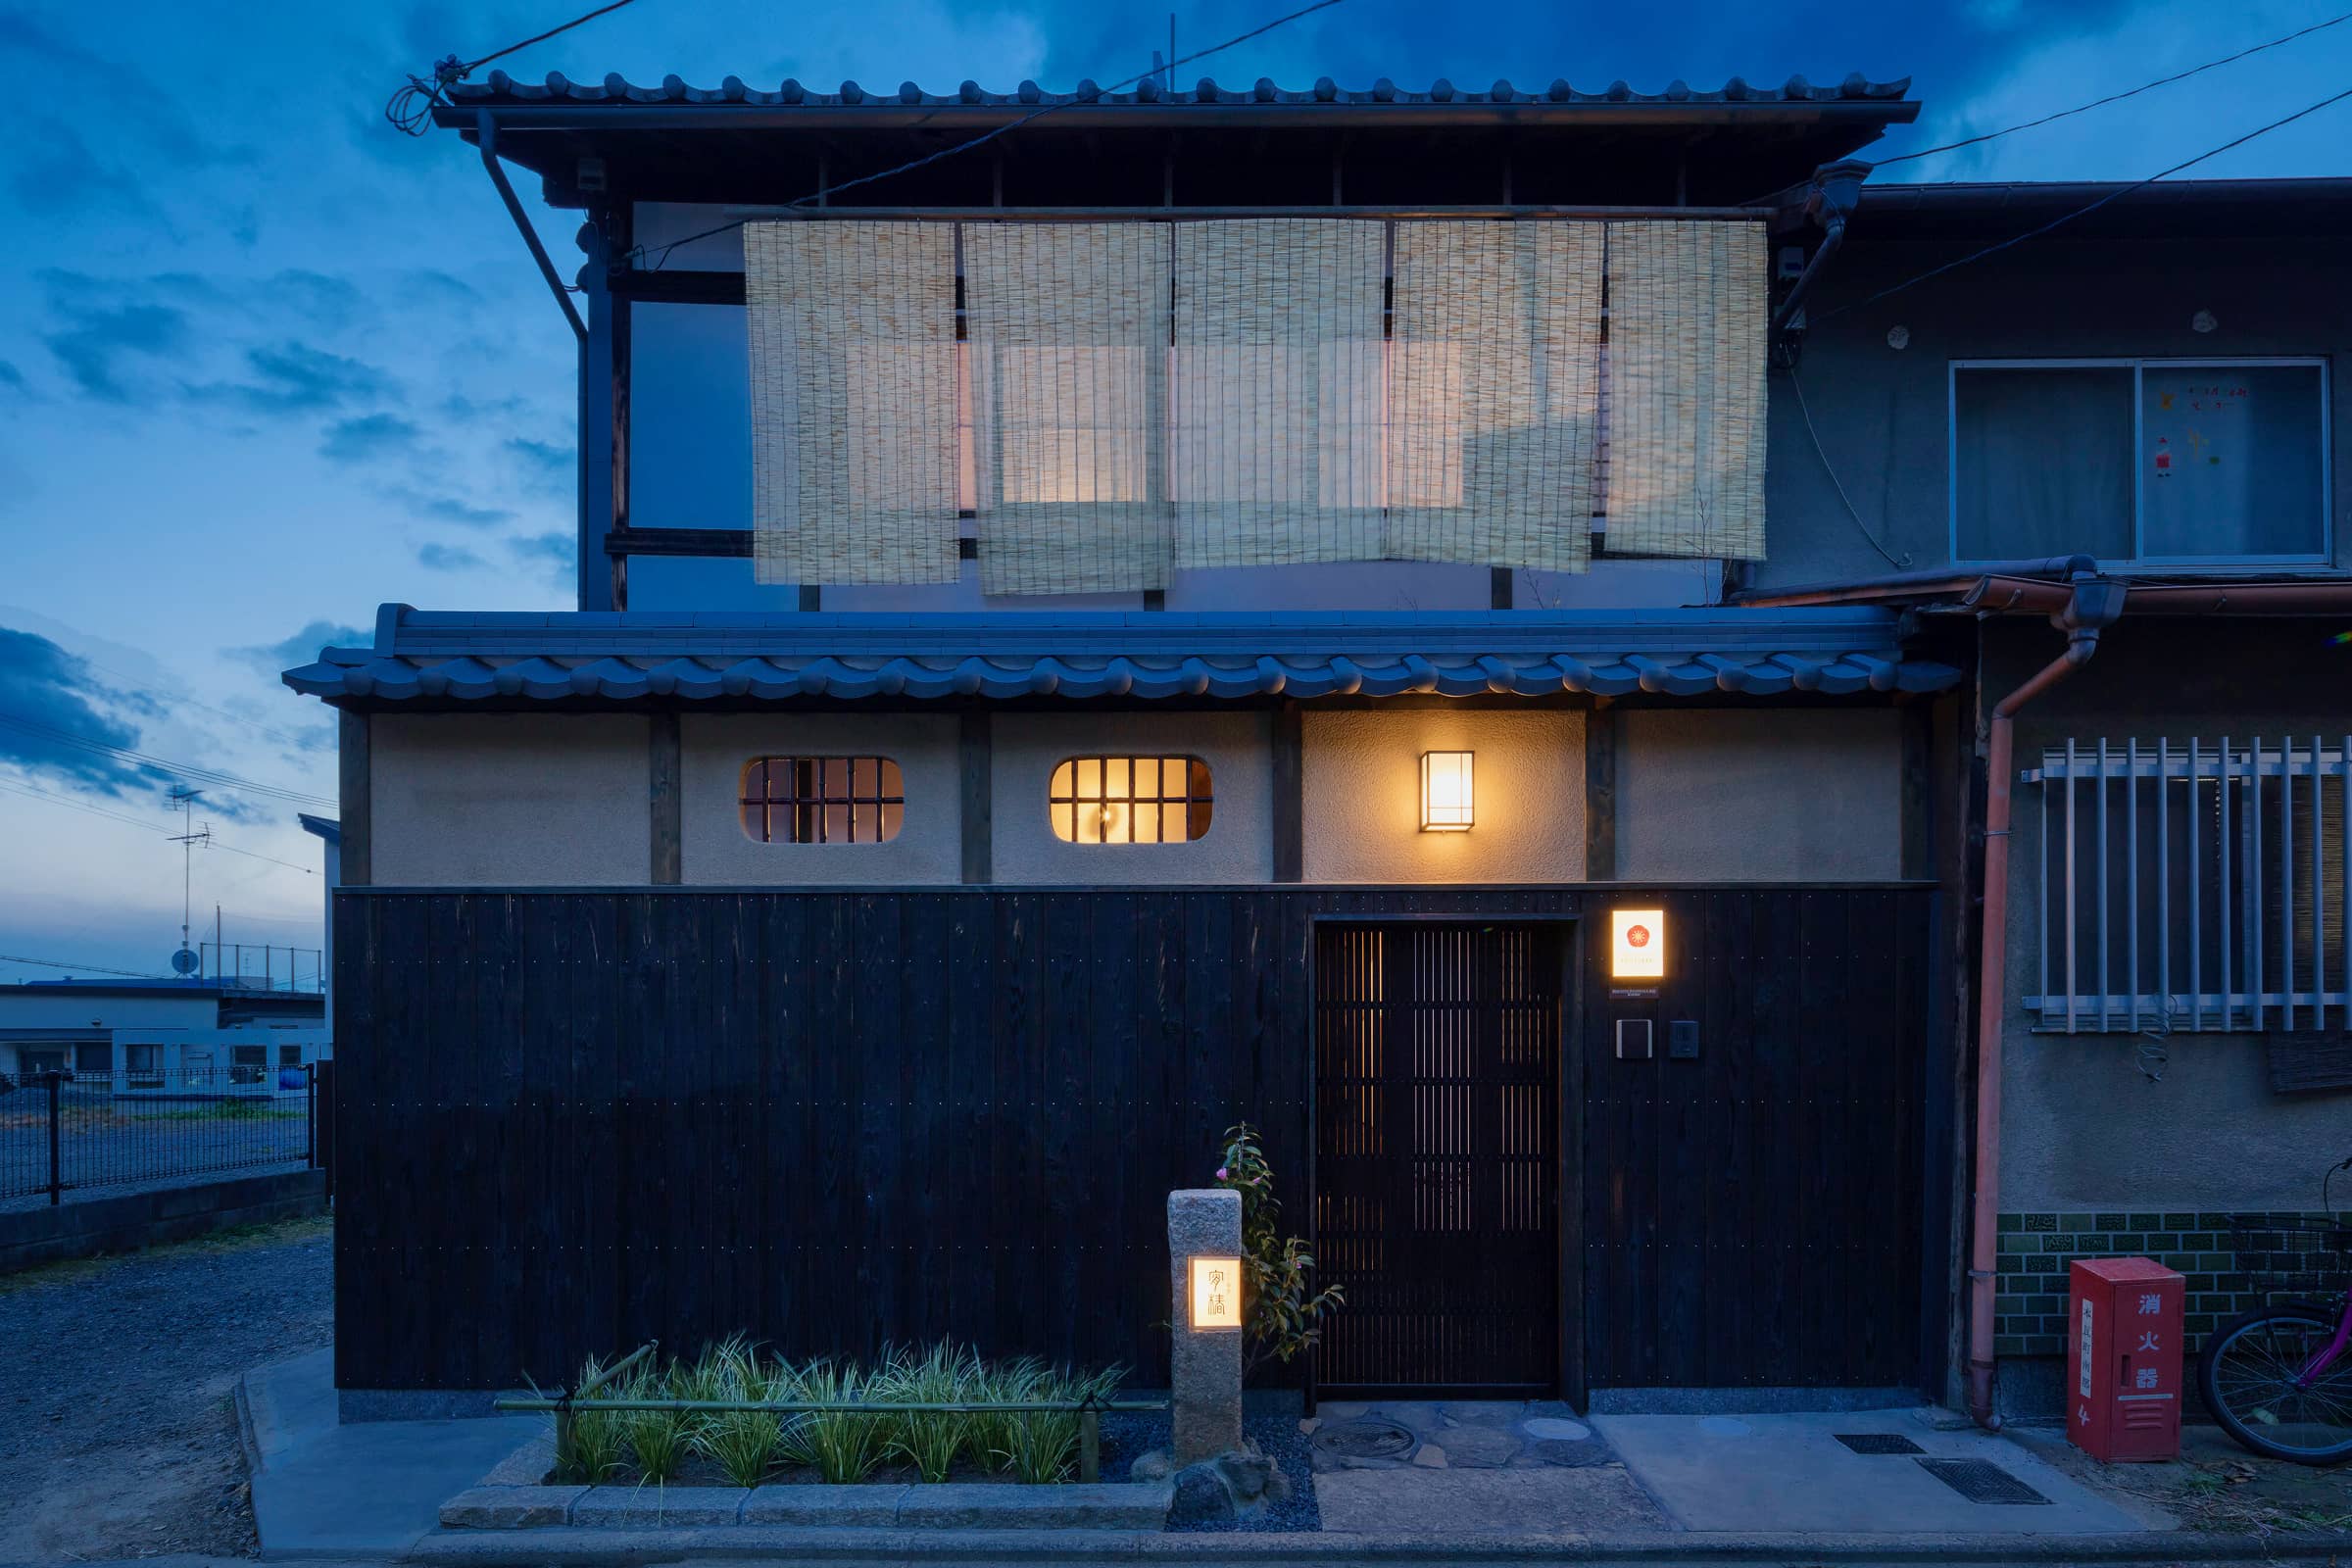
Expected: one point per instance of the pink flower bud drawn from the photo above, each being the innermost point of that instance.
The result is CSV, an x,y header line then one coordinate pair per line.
x,y
1223,1174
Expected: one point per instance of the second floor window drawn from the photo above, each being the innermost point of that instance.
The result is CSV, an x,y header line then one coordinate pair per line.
x,y
1130,800
2170,462
824,800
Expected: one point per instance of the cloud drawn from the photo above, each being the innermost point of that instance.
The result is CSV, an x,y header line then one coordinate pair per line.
x,y
97,338
45,709
557,550
368,437
447,508
449,557
303,647
293,379
11,378
546,460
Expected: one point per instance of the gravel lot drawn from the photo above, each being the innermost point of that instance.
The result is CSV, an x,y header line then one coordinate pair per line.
x,y
117,1434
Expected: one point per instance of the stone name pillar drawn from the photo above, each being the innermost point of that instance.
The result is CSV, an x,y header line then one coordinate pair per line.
x,y
1205,1361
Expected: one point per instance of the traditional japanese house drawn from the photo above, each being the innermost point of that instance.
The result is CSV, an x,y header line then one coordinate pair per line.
x,y
1325,608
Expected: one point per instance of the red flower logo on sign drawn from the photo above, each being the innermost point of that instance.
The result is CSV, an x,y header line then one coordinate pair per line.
x,y
1636,936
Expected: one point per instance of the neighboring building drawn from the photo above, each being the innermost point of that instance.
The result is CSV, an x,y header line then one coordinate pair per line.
x,y
976,773
181,1036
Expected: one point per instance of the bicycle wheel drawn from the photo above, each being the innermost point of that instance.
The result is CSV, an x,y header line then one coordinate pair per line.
x,y
2252,1374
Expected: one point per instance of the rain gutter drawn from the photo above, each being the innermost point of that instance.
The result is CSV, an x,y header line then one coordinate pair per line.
x,y
1836,190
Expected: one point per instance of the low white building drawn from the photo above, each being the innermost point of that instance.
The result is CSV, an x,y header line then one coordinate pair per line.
x,y
204,1036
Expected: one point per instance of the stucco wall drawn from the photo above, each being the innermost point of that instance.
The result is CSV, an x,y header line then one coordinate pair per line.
x,y
2082,1126
1238,748
1361,778
715,747
490,799
1811,795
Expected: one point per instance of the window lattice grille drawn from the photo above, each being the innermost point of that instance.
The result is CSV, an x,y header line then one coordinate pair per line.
x,y
2192,886
1130,800
824,800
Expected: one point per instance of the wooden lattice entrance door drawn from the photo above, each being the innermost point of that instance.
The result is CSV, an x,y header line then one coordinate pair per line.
x,y
1437,1158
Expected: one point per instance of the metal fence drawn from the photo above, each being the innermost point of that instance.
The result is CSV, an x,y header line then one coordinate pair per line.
x,y
75,1133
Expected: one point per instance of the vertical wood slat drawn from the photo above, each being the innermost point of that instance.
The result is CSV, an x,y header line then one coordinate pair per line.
x,y
828,1118
1600,793
665,829
975,753
1289,793
354,809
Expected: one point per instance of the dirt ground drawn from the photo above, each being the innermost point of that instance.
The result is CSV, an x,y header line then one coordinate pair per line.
x,y
118,1432
2215,1486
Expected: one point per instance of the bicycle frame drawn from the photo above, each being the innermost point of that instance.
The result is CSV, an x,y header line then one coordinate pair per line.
x,y
2319,1364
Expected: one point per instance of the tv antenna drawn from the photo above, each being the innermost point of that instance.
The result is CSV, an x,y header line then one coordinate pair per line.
x,y
185,961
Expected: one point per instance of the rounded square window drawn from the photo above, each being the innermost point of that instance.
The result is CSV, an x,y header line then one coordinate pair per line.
x,y
823,800
1129,799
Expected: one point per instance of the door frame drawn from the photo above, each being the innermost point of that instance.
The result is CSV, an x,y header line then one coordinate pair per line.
x,y
1568,1233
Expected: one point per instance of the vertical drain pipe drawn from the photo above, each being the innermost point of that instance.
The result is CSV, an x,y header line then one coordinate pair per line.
x,y
2092,609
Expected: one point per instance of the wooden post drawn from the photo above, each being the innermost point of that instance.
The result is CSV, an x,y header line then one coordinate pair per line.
x,y
975,750
1917,810
352,786
1601,792
1290,794
1090,1446
662,794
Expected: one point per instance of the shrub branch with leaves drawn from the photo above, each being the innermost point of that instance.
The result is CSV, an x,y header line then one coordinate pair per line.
x,y
1282,1315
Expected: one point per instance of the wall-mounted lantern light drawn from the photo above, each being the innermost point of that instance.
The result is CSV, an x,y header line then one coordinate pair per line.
x,y
1445,795
1638,943
1216,1293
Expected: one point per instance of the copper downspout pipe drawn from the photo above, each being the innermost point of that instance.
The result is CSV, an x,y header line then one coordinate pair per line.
x,y
2092,606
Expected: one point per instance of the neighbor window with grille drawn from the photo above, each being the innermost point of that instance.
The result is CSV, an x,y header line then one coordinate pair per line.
x,y
2195,885
1130,800
2181,462
824,800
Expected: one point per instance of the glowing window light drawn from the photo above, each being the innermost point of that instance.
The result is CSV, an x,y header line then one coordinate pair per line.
x,y
1216,1293
1445,792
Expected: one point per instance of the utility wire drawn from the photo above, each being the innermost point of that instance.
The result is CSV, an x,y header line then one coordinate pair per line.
x,y
2079,109
411,110
2064,219
662,253
1898,562
178,694
35,792
83,968
201,774
2118,97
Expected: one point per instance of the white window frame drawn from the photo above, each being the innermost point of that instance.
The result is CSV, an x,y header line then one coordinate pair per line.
x,y
2140,367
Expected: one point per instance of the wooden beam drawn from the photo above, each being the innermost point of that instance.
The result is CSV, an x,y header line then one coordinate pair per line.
x,y
662,798
1290,794
975,757
680,542
1499,587
617,220
678,285
1601,792
352,786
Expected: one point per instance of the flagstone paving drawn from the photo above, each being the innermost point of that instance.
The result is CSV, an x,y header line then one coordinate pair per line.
x,y
1415,1468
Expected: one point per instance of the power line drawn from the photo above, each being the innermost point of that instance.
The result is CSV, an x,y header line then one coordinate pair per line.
x,y
984,138
412,108
1898,562
179,695
2118,97
35,792
201,774
85,968
2064,219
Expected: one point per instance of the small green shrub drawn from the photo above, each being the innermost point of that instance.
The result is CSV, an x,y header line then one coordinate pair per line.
x,y
657,1438
1042,1447
929,1440
844,1448
1283,1316
742,1443
596,1435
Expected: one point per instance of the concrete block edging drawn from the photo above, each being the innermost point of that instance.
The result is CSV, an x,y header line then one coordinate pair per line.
x,y
951,1505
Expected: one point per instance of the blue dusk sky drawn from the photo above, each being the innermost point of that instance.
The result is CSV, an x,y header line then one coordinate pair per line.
x,y
266,364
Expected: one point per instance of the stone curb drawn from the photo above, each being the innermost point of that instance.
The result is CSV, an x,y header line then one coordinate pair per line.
x,y
797,1510
592,1548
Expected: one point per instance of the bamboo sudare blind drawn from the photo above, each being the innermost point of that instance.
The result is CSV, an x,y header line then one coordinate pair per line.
x,y
1143,396
1493,391
1275,392
1687,343
852,384
1068,331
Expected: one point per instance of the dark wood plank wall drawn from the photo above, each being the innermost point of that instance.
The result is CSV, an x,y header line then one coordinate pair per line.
x,y
573,1121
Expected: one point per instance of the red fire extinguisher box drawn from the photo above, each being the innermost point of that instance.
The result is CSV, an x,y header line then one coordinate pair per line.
x,y
2122,1359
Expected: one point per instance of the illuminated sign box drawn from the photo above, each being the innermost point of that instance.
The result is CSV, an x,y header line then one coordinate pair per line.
x,y
1216,1293
1638,943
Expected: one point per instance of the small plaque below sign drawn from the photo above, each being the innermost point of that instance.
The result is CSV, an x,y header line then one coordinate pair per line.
x,y
1636,1040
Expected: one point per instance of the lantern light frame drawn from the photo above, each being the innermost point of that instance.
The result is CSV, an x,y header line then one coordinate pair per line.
x,y
1448,792
1215,1304
1638,943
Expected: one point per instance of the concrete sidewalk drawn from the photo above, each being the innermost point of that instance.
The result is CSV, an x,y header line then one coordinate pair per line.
x,y
1744,1489
368,1491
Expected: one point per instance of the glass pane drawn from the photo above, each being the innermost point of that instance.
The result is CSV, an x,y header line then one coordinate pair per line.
x,y
2043,461
2230,461
1089,778
1065,815
1117,779
1060,786
893,782
1147,828
893,818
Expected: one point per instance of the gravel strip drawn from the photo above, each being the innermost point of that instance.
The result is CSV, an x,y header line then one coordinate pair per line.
x,y
118,1431
1127,1436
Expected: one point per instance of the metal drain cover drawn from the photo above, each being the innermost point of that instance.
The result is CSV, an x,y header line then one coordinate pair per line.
x,y
1980,1481
1365,1438
1879,1443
